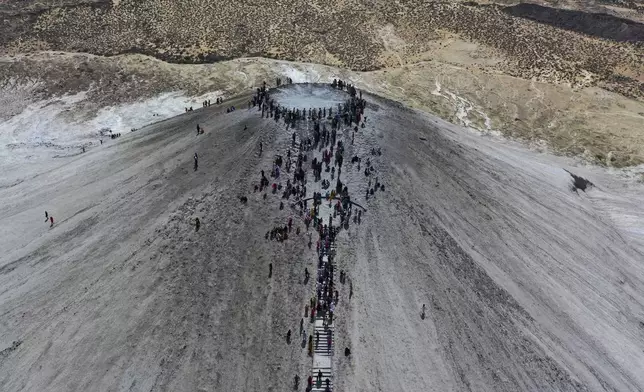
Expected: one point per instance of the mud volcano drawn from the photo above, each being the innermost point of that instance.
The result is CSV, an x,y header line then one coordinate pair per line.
x,y
527,286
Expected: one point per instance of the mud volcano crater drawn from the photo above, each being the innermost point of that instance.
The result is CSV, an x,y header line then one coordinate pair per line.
x,y
309,95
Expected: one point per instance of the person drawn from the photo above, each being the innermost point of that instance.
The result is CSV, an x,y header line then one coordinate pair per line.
x,y
319,380
288,336
422,313
196,161
301,325
261,148
197,224
297,382
51,219
46,216
317,339
270,270
198,129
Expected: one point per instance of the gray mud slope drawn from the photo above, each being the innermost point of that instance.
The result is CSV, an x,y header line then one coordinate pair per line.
x,y
123,294
527,287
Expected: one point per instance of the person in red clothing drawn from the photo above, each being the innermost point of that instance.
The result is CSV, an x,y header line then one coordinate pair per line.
x,y
51,219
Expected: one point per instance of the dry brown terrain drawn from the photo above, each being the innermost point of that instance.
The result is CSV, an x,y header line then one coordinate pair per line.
x,y
541,42
601,126
564,75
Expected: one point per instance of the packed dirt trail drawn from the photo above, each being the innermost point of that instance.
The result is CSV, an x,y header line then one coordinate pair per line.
x,y
529,283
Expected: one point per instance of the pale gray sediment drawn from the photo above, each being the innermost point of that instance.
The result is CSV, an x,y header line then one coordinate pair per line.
x,y
529,285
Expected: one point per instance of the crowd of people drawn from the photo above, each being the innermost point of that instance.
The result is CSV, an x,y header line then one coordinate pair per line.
x,y
207,103
314,153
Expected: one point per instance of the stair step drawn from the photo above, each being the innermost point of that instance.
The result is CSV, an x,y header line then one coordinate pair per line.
x,y
324,375
322,387
323,353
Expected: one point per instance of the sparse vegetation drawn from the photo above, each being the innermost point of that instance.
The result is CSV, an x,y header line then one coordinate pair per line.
x,y
197,31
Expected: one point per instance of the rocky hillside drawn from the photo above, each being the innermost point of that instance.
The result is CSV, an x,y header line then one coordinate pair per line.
x,y
540,42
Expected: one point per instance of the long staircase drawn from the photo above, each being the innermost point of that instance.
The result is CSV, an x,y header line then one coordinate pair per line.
x,y
324,346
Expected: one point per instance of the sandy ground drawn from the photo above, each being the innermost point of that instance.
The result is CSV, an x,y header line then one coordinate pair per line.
x,y
529,284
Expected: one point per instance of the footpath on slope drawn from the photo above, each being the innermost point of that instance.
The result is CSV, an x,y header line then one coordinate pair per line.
x,y
307,179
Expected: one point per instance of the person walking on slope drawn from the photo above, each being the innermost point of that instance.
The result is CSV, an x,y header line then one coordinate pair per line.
x,y
196,161
51,219
46,216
